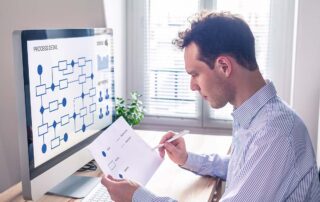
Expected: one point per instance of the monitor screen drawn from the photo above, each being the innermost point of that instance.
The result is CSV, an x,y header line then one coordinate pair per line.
x,y
68,78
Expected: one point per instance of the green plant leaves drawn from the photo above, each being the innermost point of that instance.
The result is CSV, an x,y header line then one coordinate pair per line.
x,y
131,110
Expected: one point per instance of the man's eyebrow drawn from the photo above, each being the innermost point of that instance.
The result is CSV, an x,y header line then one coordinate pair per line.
x,y
191,72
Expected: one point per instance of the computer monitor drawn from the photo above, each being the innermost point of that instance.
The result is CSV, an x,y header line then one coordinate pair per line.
x,y
65,89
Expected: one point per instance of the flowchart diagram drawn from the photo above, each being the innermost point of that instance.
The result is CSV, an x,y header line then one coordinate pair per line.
x,y
113,160
121,153
72,97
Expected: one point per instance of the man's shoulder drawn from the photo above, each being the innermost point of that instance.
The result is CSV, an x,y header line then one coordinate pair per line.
x,y
279,118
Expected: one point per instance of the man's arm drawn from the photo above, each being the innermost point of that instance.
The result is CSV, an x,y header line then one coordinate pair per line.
x,y
211,165
177,153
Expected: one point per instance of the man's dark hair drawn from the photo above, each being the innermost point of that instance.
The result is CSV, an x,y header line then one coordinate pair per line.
x,y
220,33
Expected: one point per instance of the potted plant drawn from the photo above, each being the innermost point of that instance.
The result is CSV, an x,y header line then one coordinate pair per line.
x,y
131,109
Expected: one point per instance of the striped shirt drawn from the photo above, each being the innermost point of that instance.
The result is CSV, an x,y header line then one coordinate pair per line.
x,y
272,158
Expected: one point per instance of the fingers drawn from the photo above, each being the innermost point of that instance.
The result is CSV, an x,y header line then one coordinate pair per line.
x,y
176,154
105,181
109,180
167,136
170,148
114,179
161,152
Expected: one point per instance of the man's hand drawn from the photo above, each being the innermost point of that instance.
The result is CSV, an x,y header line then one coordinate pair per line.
x,y
119,190
176,149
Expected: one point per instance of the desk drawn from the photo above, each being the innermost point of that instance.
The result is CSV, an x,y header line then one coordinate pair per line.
x,y
169,180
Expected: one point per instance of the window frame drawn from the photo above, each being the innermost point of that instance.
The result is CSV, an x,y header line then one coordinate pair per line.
x,y
203,123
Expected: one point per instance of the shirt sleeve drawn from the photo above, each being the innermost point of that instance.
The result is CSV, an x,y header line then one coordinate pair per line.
x,y
265,173
142,194
210,165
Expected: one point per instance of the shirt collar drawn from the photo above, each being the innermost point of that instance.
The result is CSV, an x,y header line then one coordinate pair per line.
x,y
247,111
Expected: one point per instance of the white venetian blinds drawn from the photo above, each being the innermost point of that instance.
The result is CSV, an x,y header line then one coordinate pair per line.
x,y
166,86
157,67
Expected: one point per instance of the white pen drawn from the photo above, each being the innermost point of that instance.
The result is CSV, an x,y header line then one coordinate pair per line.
x,y
176,136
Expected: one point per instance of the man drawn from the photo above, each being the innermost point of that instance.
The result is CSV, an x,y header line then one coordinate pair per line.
x,y
271,158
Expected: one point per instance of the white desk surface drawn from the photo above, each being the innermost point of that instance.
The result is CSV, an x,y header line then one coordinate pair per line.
x,y
169,180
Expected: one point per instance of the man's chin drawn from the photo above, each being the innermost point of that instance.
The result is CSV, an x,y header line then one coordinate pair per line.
x,y
216,105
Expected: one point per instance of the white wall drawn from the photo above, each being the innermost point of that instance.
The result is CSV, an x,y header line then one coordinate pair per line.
x,y
116,15
31,14
306,77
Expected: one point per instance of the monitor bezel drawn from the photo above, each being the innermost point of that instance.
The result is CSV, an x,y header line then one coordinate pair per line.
x,y
29,35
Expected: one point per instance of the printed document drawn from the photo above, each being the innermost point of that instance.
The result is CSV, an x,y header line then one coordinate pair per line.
x,y
121,153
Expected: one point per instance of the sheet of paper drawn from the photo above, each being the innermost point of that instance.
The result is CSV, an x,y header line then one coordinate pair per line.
x,y
121,153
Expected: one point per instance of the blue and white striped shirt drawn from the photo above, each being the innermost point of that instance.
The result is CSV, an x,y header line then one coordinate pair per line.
x,y
271,158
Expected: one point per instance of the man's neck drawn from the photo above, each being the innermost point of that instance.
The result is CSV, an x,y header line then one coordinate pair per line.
x,y
246,86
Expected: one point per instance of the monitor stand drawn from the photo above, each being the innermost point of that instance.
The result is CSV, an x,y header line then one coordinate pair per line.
x,y
75,186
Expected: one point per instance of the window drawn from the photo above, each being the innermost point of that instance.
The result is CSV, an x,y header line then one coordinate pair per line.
x,y
156,67
257,15
166,87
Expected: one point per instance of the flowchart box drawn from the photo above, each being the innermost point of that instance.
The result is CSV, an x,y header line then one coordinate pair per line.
x,y
81,62
53,105
68,70
64,120
55,142
41,90
82,78
112,165
63,84
83,111
62,65
92,92
42,129
93,108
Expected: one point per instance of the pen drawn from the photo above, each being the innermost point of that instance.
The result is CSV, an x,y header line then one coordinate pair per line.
x,y
176,136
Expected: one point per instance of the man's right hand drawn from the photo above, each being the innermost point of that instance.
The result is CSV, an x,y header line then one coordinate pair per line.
x,y
176,150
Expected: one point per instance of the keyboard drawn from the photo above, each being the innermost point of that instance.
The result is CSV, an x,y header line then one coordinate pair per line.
x,y
98,194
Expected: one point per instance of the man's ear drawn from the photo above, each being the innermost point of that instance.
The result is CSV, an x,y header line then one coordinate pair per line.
x,y
224,65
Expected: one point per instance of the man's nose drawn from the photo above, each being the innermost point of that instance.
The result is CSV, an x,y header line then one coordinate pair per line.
x,y
194,86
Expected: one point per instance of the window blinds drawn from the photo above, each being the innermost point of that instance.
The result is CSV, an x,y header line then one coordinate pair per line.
x,y
166,89
166,84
